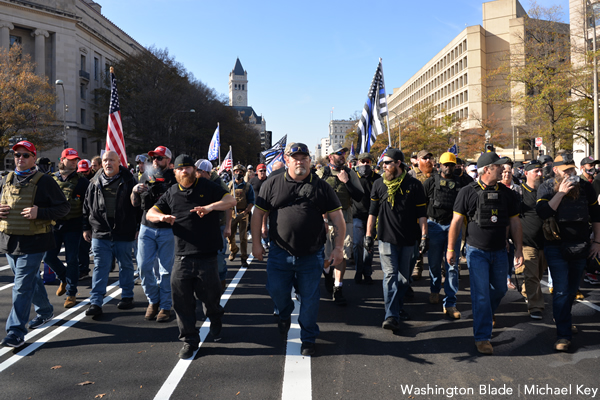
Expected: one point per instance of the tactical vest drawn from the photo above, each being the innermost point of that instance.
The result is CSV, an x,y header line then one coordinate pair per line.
x,y
240,196
573,210
338,186
68,188
492,208
18,197
445,193
109,193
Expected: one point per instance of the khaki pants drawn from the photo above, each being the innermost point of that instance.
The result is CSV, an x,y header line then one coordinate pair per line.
x,y
329,245
242,222
535,265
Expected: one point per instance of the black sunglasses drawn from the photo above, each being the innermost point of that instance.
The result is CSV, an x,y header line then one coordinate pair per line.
x,y
388,162
24,155
262,170
158,158
299,149
340,153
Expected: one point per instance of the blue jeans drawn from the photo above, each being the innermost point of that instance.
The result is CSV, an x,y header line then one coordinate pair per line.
x,y
104,251
487,273
395,263
282,268
438,244
362,257
29,288
221,259
156,244
70,274
566,275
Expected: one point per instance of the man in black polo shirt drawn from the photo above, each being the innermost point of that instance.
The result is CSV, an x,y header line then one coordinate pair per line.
x,y
490,208
188,207
295,202
398,205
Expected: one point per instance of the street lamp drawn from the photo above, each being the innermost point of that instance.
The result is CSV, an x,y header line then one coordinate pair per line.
x,y
171,117
398,121
65,110
596,138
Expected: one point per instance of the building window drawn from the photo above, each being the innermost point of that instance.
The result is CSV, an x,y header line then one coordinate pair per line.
x,y
15,40
466,96
96,69
82,63
84,145
83,116
82,91
98,147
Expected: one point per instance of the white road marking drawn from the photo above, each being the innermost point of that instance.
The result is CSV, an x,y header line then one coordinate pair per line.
x,y
176,375
5,268
7,286
585,302
297,381
39,343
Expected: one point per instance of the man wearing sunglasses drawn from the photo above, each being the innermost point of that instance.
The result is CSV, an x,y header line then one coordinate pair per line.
x,y
30,203
244,195
68,230
347,187
295,202
398,206
155,240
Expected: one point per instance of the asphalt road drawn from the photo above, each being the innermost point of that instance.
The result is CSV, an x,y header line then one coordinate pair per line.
x,y
122,356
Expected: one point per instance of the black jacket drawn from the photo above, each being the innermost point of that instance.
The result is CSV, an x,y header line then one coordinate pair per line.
x,y
94,210
360,209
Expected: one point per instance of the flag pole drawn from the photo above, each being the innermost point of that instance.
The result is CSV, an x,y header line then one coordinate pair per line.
x,y
387,114
219,143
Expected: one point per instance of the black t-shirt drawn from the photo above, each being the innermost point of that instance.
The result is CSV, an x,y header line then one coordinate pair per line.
x,y
487,239
399,225
440,215
157,184
256,184
194,236
533,236
295,220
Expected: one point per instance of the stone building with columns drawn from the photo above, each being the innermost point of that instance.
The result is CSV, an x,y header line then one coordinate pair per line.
x,y
70,41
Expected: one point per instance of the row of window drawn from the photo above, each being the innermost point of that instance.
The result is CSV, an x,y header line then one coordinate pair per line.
x,y
239,87
448,89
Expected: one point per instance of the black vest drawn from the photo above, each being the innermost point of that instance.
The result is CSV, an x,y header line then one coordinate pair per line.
x,y
573,210
445,192
492,208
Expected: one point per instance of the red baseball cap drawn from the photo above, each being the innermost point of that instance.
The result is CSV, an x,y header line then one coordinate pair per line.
x,y
261,166
28,145
70,154
83,166
160,151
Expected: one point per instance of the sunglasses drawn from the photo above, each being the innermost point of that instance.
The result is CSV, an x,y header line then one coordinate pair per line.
x,y
299,149
158,158
426,158
340,153
388,162
24,155
262,170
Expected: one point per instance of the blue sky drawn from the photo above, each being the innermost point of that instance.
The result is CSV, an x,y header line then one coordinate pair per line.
x,y
302,58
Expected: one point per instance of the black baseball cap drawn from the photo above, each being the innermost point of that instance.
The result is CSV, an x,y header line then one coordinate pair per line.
x,y
490,158
533,165
183,160
395,154
588,160
545,159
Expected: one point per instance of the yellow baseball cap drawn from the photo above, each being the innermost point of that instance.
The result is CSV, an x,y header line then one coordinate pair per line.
x,y
447,158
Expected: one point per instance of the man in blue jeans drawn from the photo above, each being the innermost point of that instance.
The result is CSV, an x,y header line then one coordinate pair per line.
x,y
295,202
572,202
156,243
489,208
110,223
31,201
441,191
398,207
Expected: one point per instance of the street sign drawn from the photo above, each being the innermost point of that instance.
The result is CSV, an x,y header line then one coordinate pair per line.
x,y
538,142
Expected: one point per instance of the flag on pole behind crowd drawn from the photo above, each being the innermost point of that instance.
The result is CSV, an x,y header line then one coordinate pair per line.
x,y
274,151
227,163
371,123
114,134
453,149
352,152
382,154
215,143
278,157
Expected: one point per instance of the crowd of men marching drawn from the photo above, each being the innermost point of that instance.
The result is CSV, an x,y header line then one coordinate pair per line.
x,y
179,216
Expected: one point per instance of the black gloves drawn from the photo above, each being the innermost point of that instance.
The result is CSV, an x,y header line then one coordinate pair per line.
x,y
424,245
369,243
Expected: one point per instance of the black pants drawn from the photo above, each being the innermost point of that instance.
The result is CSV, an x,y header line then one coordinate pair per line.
x,y
200,276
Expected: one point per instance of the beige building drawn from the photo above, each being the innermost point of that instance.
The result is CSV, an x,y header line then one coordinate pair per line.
x,y
70,41
452,80
337,132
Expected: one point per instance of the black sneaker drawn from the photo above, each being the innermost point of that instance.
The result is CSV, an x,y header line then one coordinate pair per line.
x,y
410,294
536,314
39,321
93,311
391,324
403,316
12,341
215,328
368,280
84,275
284,325
126,303
338,296
307,349
329,280
187,350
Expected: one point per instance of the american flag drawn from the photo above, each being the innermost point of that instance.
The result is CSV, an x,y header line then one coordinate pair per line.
x,y
371,124
227,163
114,134
382,154
213,149
274,151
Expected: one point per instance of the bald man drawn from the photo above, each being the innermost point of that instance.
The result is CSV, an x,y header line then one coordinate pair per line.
x,y
110,224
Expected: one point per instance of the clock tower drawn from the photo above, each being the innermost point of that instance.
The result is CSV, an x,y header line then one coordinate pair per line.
x,y
238,86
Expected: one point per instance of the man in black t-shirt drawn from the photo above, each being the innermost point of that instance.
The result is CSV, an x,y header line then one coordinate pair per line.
x,y
256,182
398,206
188,207
489,208
534,263
295,202
573,204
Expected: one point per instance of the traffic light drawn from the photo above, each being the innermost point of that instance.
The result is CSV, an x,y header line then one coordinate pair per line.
x,y
489,148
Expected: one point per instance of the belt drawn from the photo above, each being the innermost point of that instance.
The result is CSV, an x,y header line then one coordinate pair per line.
x,y
438,221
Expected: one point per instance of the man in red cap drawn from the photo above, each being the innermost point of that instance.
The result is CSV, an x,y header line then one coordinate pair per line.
x,y
69,229
29,203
